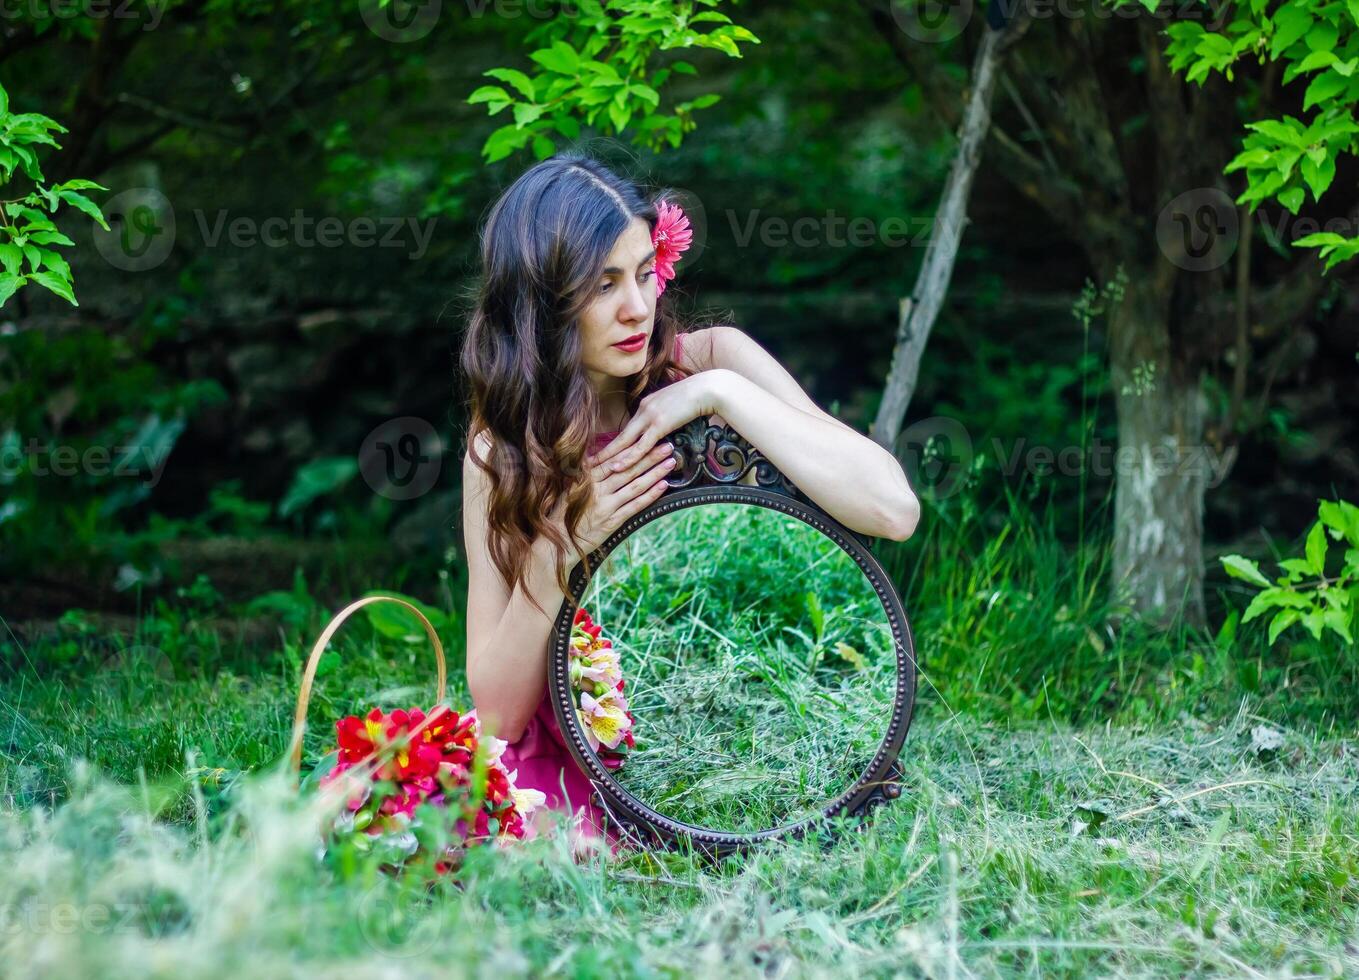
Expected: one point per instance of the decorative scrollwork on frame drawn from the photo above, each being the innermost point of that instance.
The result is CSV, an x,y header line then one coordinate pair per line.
x,y
731,457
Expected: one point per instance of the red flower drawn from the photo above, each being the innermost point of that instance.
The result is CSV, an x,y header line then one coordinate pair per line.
x,y
358,737
672,236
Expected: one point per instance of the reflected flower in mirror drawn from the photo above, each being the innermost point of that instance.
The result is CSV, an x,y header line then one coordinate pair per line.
x,y
602,707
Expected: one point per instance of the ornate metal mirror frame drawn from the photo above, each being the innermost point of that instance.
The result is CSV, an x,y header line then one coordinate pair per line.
x,y
693,482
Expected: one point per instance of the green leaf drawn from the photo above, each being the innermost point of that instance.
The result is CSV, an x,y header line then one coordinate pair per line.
x,y
396,622
1338,621
489,93
1342,517
79,184
560,57
1296,568
1287,131
12,257
316,479
1316,548
516,78
504,141
1315,60
543,147
1292,198
1318,175
1255,157
1291,22
567,126
646,93
52,260
50,238
1322,37
524,113
9,285
1246,569
82,203
1323,88
1262,603
56,283
1281,622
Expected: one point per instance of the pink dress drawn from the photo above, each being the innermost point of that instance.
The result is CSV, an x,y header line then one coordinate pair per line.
x,y
540,754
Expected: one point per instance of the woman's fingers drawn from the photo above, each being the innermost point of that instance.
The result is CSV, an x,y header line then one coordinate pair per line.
x,y
647,482
613,481
645,499
635,447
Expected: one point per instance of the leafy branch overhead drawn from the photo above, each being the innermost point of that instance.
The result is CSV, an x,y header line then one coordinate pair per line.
x,y
593,67
27,233
1317,41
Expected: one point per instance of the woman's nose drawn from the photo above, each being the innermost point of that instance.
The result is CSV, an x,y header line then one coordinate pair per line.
x,y
636,308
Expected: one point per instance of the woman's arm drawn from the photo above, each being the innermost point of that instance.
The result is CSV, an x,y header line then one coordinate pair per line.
x,y
854,479
506,636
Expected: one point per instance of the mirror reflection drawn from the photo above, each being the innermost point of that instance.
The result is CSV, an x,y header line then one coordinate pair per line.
x,y
733,667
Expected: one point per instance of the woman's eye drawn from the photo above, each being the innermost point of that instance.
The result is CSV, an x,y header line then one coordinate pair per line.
x,y
648,274
605,287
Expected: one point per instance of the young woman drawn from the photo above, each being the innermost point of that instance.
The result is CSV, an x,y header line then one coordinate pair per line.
x,y
575,371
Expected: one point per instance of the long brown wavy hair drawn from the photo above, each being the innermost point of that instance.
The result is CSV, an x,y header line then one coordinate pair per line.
x,y
544,245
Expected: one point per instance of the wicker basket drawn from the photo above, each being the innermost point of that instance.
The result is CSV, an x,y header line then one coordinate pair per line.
x,y
308,675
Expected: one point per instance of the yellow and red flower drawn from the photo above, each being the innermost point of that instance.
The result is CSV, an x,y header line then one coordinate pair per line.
x,y
407,759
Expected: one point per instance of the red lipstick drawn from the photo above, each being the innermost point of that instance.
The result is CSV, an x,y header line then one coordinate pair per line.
x,y
633,344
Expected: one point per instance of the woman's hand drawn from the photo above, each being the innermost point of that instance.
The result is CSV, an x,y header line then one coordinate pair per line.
x,y
619,495
662,412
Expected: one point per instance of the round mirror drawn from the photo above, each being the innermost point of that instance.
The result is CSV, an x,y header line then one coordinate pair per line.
x,y
766,668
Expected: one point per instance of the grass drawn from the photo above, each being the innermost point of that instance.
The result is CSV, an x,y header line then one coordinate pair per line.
x,y
759,661
1082,797
1038,849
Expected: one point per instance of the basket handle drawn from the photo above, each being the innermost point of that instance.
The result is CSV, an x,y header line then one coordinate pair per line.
x,y
308,675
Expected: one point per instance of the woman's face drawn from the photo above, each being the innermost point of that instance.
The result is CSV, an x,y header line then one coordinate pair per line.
x,y
623,307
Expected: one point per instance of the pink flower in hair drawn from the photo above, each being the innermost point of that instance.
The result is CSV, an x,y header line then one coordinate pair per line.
x,y
671,238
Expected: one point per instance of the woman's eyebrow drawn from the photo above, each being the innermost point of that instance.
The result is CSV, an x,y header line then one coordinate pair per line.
x,y
613,270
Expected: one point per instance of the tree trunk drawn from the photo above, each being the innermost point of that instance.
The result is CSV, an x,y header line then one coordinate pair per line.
x,y
917,314
1161,470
